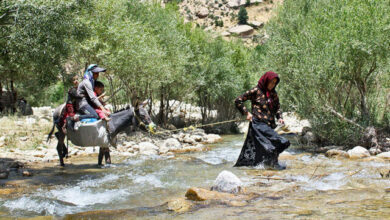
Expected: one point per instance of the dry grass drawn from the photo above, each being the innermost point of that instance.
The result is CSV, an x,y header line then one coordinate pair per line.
x,y
23,132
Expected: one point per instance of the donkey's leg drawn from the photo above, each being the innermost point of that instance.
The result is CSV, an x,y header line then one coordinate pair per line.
x,y
60,146
100,157
107,156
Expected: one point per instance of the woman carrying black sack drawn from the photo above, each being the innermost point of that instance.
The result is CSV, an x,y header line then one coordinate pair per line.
x,y
262,144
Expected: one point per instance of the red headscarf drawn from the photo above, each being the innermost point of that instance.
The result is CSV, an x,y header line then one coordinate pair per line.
x,y
263,83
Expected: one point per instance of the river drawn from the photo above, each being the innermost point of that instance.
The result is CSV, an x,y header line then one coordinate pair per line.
x,y
312,186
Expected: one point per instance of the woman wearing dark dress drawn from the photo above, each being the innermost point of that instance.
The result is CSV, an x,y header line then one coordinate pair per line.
x,y
262,144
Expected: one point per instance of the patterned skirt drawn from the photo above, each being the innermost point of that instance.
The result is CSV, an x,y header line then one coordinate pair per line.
x,y
262,144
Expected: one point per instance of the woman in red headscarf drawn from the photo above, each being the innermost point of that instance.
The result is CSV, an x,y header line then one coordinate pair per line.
x,y
262,144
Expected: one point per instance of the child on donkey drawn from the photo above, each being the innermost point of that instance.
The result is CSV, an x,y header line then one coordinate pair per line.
x,y
99,90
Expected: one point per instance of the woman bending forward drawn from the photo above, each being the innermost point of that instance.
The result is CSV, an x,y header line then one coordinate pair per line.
x,y
262,144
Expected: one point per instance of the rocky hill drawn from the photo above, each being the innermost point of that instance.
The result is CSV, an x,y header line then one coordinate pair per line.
x,y
221,17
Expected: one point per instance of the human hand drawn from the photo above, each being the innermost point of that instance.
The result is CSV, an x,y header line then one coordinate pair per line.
x,y
249,116
281,121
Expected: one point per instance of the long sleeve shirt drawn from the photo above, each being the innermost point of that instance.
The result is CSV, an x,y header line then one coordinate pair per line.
x,y
85,91
261,108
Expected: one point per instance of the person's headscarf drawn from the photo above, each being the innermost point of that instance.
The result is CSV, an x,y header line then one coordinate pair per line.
x,y
263,83
89,75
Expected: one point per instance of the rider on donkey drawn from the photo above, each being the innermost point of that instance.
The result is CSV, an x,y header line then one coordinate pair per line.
x,y
88,97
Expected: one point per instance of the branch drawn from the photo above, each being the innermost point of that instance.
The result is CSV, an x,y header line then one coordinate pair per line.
x,y
331,110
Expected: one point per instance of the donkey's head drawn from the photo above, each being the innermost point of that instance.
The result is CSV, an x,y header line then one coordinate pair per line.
x,y
143,118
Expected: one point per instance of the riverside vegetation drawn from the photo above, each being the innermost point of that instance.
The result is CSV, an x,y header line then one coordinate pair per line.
x,y
332,58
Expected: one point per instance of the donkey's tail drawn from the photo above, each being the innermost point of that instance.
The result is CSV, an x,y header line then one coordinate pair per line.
x,y
51,133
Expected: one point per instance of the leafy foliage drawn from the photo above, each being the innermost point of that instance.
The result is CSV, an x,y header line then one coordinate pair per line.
x,y
242,15
334,58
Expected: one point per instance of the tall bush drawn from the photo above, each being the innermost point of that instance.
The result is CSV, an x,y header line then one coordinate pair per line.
x,y
333,57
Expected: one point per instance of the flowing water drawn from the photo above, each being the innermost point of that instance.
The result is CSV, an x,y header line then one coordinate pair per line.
x,y
312,187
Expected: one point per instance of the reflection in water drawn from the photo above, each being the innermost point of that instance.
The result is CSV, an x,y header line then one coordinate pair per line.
x,y
312,186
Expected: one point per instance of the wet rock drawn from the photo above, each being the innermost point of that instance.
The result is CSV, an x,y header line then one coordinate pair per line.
x,y
16,165
286,156
212,138
197,138
4,175
8,191
172,144
358,152
375,151
27,173
227,182
385,155
242,30
199,194
147,148
374,159
237,203
179,205
384,172
189,140
336,153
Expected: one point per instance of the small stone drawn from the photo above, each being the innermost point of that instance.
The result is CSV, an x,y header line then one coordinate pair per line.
x,y
4,175
197,138
202,12
188,140
384,172
27,173
375,151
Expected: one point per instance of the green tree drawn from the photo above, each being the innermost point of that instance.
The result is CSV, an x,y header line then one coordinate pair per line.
x,y
36,40
242,15
333,57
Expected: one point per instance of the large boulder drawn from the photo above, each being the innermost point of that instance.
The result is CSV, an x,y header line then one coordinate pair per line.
x,y
242,30
385,155
227,182
358,152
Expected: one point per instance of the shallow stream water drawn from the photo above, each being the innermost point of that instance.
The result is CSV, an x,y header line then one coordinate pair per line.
x,y
312,187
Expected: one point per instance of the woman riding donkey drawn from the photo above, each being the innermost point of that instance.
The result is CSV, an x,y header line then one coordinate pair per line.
x,y
262,144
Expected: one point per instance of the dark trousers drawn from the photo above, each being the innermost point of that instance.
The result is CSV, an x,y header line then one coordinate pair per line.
x,y
88,112
262,144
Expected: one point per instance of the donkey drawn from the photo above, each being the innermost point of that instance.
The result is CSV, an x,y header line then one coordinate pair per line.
x,y
100,133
